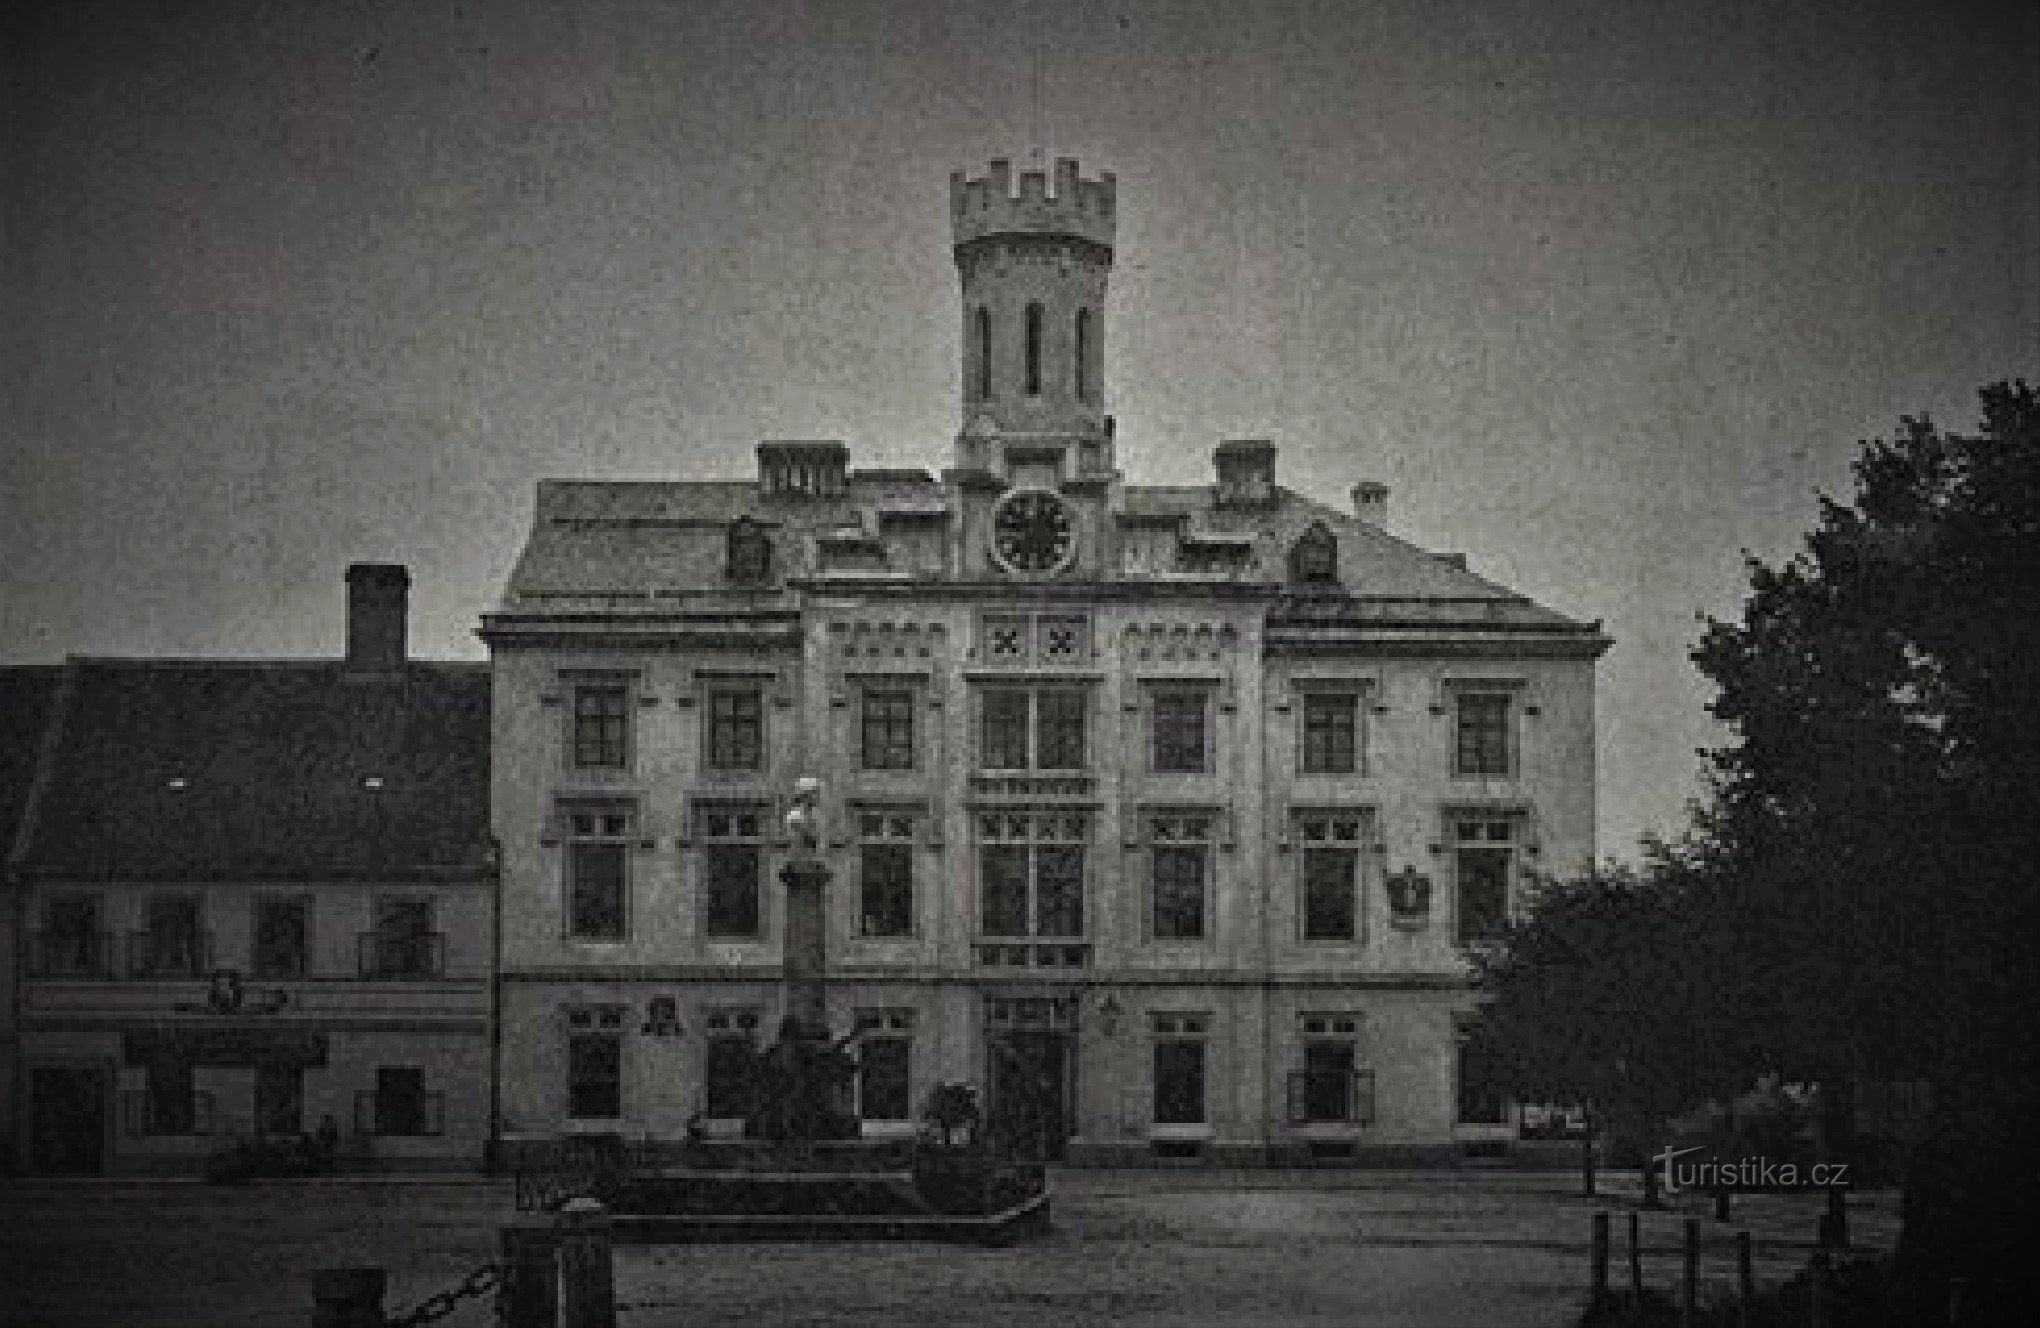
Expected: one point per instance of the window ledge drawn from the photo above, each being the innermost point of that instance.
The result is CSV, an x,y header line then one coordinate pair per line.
x,y
1200,1131
887,1129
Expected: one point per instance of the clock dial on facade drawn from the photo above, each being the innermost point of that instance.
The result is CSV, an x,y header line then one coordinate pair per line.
x,y
1031,532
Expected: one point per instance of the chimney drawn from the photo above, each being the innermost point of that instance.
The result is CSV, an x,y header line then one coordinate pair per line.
x,y
1246,472
1370,503
378,614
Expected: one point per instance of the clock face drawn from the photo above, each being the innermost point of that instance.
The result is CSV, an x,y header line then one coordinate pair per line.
x,y
1031,531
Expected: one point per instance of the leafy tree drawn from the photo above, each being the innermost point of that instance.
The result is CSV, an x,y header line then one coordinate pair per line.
x,y
1870,847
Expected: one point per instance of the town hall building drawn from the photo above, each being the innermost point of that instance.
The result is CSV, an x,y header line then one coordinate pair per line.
x,y
1163,816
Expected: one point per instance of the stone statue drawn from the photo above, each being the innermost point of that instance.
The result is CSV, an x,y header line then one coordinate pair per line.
x,y
804,819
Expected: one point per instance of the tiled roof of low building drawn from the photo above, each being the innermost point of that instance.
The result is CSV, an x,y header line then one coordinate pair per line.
x,y
176,769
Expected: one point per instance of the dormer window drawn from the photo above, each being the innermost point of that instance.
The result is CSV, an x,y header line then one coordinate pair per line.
x,y
1314,558
748,558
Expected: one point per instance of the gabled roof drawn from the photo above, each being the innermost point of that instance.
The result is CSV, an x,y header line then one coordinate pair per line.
x,y
199,769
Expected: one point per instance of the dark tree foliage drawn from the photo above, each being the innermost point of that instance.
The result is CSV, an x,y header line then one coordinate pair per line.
x,y
1875,822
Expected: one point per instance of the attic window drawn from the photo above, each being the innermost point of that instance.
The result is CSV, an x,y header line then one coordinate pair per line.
x,y
749,552
1314,558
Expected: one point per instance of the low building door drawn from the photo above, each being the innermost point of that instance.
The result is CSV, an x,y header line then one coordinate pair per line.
x,y
67,1120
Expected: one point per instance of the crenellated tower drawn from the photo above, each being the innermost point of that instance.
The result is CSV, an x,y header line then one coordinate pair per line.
x,y
1033,268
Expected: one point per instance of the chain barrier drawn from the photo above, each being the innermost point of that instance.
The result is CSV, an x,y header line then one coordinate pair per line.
x,y
433,1308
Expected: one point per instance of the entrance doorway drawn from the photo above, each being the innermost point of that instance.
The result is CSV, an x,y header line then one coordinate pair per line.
x,y
1030,1072
67,1120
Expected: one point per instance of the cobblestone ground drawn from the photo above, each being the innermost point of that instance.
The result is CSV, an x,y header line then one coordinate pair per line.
x,y
1450,1249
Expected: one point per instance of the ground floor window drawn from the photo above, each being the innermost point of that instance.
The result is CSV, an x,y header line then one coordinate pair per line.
x,y
885,1065
1179,1068
1481,1100
279,1100
728,1058
595,1062
400,1104
1330,1088
169,1103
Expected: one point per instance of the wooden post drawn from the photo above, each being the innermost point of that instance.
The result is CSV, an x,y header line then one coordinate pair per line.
x,y
1689,1278
587,1275
1597,1283
1745,1279
1834,1223
1817,1290
347,1298
531,1274
1587,1151
1636,1258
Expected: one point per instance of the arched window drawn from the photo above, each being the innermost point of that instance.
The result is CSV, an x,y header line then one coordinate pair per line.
x,y
1083,354
1033,349
984,353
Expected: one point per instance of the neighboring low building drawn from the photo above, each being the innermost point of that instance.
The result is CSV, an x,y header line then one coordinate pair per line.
x,y
1164,815
253,895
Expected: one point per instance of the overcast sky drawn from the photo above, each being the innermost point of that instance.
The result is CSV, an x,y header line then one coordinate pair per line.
x,y
1603,290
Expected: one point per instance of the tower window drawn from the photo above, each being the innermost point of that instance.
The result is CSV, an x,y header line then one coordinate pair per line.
x,y
1033,349
984,353
1083,356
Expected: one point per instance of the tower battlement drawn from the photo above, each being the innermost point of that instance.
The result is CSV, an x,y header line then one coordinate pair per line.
x,y
1080,207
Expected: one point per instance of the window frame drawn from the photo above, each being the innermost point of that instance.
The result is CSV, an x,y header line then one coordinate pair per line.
x,y
892,1028
1162,744
722,736
1471,758
90,956
898,705
1176,1032
711,847
1356,848
898,843
618,840
1318,757
589,1027
1190,834
258,906
1037,740
602,750
196,960
1463,839
728,1025
1030,845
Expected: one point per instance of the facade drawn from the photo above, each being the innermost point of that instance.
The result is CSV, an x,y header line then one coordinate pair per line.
x,y
253,895
1162,815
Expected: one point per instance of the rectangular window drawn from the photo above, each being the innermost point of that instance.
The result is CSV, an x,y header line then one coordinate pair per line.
x,y
1481,1099
1177,733
1179,1068
172,943
1484,854
884,1065
601,725
888,730
1179,858
1033,730
736,729
732,843
1481,743
403,944
282,937
1330,905
598,870
1331,730
279,1100
402,1106
1031,873
171,1098
71,943
595,1062
885,873
1328,1089
729,1056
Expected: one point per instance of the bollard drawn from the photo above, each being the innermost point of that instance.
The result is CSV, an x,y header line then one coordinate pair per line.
x,y
1597,1286
347,1298
530,1296
1689,1278
587,1273
1745,1279
1636,1258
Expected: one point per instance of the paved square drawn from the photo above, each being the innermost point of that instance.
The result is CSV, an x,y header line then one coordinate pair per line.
x,y
1444,1250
